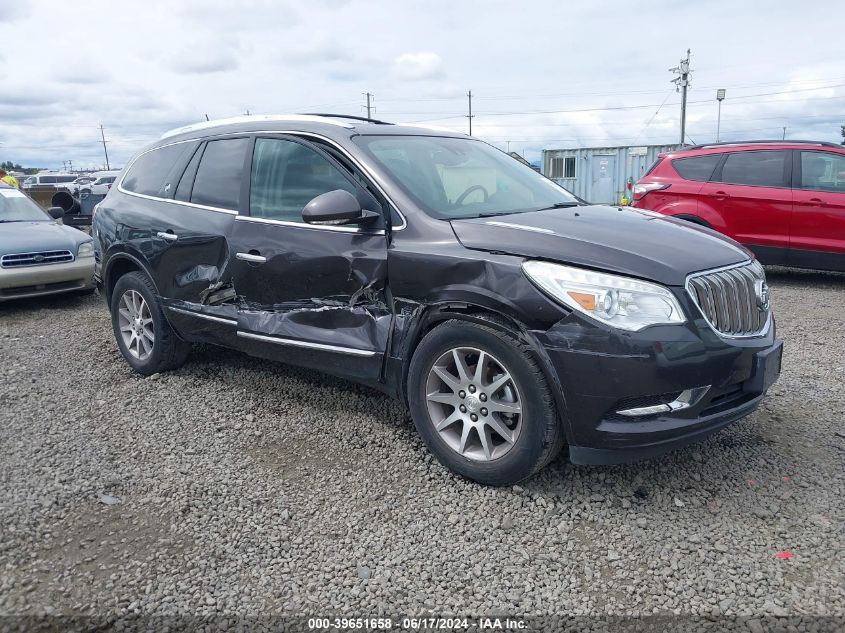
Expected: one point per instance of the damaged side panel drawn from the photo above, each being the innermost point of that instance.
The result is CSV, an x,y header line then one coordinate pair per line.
x,y
318,299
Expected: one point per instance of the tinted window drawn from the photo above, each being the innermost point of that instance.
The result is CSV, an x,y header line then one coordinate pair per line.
x,y
218,180
823,171
66,178
147,173
183,191
754,168
286,176
48,180
697,167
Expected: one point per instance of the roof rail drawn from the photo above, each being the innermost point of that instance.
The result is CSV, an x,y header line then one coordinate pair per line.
x,y
254,118
764,142
347,116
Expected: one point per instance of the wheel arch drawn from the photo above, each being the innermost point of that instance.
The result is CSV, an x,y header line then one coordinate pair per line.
x,y
120,264
436,314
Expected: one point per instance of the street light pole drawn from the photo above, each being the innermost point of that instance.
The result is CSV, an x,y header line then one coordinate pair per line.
x,y
720,96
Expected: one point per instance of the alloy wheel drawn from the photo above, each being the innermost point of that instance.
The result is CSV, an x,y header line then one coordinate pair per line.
x,y
474,404
136,324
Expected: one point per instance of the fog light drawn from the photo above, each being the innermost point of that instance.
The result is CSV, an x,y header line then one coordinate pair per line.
x,y
687,398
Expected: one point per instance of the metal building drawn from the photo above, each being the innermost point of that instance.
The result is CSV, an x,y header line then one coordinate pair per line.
x,y
600,174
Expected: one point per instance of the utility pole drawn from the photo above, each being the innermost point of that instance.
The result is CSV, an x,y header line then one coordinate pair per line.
x,y
470,116
369,106
105,151
509,147
70,166
682,83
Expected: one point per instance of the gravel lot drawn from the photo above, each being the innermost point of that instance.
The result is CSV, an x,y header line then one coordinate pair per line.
x,y
240,486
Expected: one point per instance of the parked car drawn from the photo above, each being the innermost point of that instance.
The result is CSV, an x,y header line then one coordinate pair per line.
x,y
784,200
39,256
510,317
52,179
80,182
101,184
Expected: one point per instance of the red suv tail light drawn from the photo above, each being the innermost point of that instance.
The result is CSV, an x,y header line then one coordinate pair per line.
x,y
642,188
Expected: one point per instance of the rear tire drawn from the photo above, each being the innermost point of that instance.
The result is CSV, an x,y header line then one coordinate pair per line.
x,y
142,332
469,418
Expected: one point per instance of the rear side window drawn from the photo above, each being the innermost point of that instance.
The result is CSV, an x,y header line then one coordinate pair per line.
x,y
48,180
218,179
761,169
146,175
286,176
696,167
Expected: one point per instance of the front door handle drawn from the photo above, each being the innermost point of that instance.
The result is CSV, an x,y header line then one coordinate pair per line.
x,y
168,235
816,202
250,257
722,194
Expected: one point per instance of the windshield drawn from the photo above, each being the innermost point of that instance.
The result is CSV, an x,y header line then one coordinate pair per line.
x,y
17,207
452,178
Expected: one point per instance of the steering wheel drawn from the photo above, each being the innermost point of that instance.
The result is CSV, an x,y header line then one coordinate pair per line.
x,y
460,198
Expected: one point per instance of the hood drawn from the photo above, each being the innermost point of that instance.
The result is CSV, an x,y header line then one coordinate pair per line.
x,y
623,240
29,237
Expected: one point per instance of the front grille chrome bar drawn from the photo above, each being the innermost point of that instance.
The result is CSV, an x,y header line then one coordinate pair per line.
x,y
42,258
733,300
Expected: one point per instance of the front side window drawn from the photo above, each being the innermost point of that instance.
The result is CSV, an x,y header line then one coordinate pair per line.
x,y
218,179
823,171
146,175
761,169
696,167
286,176
452,178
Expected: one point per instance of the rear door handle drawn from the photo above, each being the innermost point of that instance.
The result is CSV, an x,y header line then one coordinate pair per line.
x,y
249,257
722,194
169,236
816,202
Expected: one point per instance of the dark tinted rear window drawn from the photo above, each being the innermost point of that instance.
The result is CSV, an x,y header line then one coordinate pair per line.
x,y
696,167
218,179
147,173
763,169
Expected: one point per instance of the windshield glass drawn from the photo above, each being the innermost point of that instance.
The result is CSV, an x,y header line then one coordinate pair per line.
x,y
17,207
451,178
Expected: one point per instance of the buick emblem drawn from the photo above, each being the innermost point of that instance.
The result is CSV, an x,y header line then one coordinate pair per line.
x,y
762,291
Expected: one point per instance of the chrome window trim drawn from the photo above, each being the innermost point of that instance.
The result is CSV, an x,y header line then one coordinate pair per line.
x,y
200,315
297,343
372,177
305,225
703,273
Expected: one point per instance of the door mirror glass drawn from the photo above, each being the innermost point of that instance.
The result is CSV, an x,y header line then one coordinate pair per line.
x,y
336,207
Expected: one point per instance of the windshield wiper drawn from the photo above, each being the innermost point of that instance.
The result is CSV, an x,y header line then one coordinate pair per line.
x,y
561,205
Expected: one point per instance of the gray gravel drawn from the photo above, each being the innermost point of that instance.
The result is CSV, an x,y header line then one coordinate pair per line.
x,y
240,486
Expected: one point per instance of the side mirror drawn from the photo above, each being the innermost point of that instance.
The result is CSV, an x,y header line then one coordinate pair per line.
x,y
336,207
56,213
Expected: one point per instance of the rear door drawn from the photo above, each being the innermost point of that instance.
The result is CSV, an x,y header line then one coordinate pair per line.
x,y
751,191
818,225
190,210
311,295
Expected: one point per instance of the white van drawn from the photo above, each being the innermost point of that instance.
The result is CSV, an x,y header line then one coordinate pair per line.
x,y
53,179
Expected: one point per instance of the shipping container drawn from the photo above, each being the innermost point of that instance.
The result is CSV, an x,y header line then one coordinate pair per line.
x,y
600,174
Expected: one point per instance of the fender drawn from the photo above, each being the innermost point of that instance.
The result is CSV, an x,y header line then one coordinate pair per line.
x,y
427,317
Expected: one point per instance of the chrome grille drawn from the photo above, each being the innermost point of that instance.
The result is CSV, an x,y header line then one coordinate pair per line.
x,y
35,259
734,300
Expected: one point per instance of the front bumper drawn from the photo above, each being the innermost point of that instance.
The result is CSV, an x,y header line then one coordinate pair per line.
x,y
602,372
35,281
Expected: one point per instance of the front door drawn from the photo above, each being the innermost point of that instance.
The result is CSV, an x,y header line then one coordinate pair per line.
x,y
818,225
309,295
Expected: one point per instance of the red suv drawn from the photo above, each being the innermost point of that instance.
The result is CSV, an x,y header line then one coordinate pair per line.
x,y
785,200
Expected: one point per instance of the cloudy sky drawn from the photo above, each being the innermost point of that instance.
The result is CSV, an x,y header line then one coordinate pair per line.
x,y
543,74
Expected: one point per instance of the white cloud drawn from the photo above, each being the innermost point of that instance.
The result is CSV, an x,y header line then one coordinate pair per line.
x,y
417,66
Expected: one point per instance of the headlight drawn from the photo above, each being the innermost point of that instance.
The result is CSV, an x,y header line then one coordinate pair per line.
x,y
86,249
629,304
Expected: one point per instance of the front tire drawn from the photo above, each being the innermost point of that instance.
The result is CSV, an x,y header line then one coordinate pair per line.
x,y
142,332
481,403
